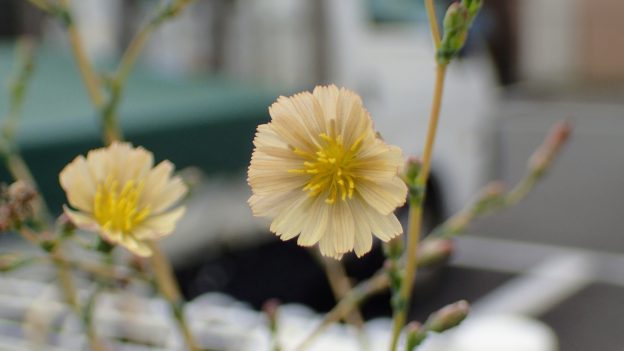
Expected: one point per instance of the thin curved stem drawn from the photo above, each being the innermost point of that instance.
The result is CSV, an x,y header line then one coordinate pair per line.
x,y
133,52
434,117
109,114
87,72
373,285
433,23
415,213
18,86
340,285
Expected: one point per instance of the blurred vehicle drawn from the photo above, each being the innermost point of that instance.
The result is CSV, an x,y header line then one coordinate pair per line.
x,y
372,48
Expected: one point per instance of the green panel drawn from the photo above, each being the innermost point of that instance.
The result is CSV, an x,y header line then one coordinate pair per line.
x,y
206,121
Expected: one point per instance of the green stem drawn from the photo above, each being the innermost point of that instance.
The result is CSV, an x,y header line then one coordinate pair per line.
x,y
15,164
89,76
416,211
433,23
109,113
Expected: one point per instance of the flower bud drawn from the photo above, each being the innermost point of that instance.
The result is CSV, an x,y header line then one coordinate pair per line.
x,y
456,17
416,334
391,266
394,248
489,196
544,155
456,23
493,189
473,7
270,308
10,261
65,225
434,251
448,317
412,169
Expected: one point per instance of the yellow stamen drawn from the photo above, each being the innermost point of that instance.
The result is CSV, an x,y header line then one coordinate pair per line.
x,y
331,168
118,210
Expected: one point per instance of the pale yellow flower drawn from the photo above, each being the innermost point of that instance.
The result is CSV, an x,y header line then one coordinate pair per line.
x,y
118,192
320,171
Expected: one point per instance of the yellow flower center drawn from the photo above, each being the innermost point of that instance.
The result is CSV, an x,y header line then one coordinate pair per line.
x,y
330,168
116,208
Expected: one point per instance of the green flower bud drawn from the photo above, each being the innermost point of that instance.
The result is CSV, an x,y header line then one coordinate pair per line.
x,y
11,261
270,308
448,317
434,251
490,197
412,170
394,248
473,7
416,334
456,24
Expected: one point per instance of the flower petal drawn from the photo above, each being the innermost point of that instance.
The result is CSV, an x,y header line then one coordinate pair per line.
x,y
363,243
158,226
272,204
327,248
173,191
379,162
287,123
99,164
290,222
342,229
135,246
270,174
385,197
363,236
155,183
385,227
316,224
327,97
352,119
129,242
80,220
138,164
301,110
78,183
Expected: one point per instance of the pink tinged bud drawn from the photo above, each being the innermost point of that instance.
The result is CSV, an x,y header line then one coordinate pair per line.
x,y
494,189
416,334
448,317
65,224
558,135
270,308
435,251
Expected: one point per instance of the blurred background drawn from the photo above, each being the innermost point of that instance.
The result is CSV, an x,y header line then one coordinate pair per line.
x,y
207,78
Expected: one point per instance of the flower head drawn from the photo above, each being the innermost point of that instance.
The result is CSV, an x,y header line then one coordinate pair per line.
x,y
320,171
118,192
